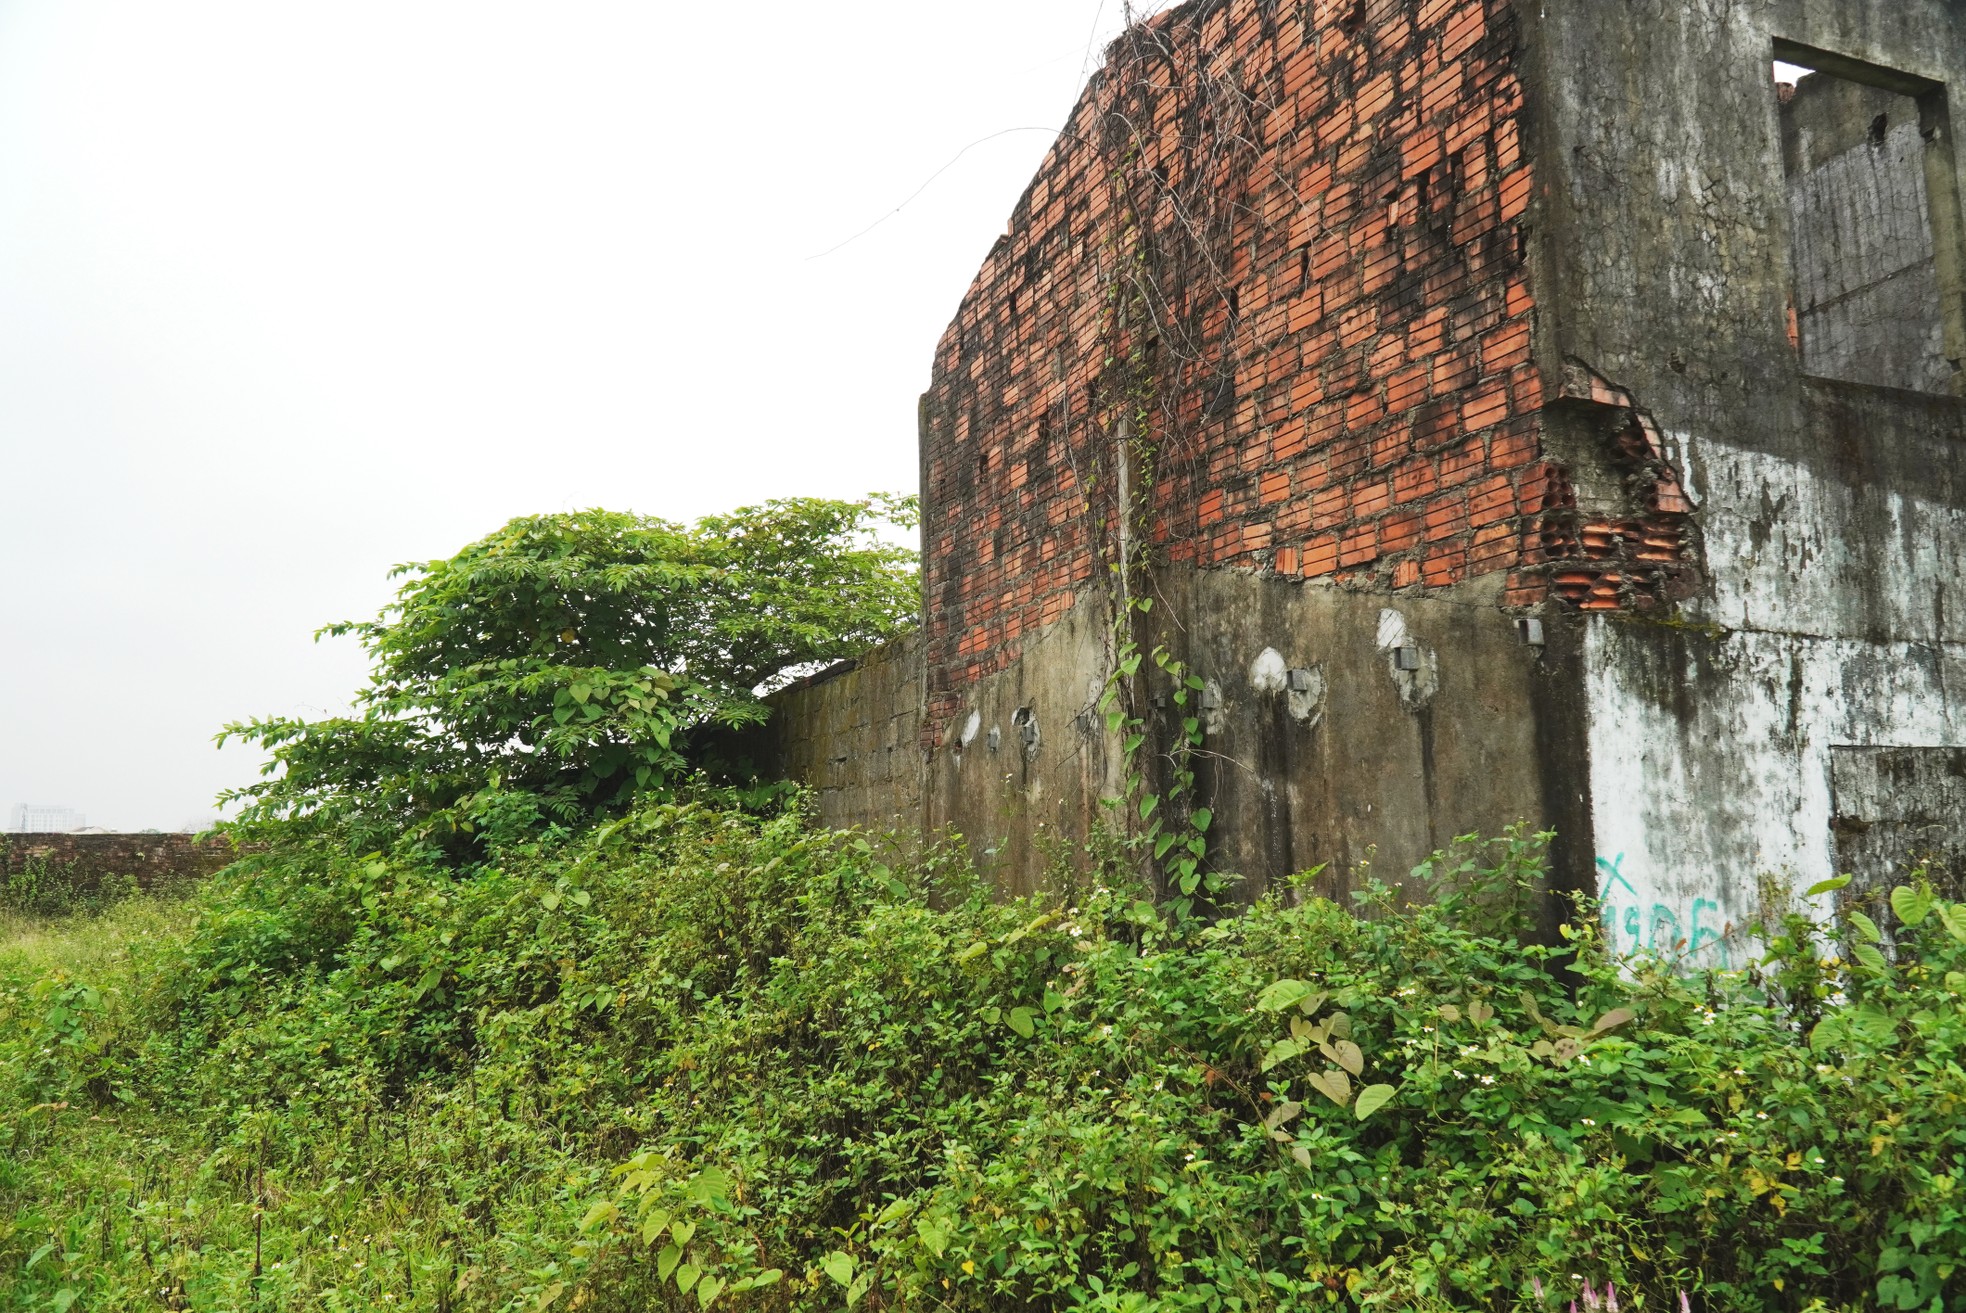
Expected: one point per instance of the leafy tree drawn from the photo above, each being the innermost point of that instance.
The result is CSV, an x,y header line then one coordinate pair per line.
x,y
551,671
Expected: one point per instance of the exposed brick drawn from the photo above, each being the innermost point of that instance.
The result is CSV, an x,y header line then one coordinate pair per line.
x,y
1399,532
1381,397
1320,555
1490,500
1485,408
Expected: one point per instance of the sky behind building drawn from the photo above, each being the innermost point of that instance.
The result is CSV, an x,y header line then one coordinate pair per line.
x,y
292,292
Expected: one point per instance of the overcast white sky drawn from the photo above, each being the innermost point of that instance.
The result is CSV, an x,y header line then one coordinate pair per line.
x,y
291,291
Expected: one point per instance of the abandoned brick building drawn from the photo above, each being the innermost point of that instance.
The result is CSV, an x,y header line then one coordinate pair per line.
x,y
1538,411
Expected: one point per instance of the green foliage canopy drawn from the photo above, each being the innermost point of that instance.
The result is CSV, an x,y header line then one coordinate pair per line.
x,y
555,668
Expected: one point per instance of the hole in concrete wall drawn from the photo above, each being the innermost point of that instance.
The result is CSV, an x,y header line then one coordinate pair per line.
x,y
1872,206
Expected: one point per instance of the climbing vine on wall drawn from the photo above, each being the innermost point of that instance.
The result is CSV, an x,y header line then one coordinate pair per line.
x,y
1183,130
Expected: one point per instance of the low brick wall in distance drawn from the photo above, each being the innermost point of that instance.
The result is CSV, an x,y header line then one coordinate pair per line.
x,y
84,863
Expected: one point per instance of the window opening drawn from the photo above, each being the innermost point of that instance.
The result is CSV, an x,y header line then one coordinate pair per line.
x,y
1872,212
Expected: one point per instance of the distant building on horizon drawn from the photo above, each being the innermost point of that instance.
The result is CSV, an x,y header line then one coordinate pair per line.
x,y
40,818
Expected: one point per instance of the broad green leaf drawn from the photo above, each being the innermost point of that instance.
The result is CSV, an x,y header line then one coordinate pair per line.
x,y
1912,905
934,1233
653,1225
710,1185
550,901
686,1276
665,1262
551,1293
1829,886
1023,1021
684,1232
1865,927
1053,1000
1371,1099
1202,819
1870,957
1333,1085
1283,994
856,1291
708,1289
1281,1051
838,1266
1613,1019
599,1214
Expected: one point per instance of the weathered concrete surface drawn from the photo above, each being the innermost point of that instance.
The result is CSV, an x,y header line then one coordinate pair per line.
x,y
1371,762
1867,299
1830,514
1896,810
1359,762
1026,758
849,734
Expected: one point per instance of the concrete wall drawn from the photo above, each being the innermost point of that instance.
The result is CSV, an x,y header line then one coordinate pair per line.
x,y
851,734
1831,517
1366,763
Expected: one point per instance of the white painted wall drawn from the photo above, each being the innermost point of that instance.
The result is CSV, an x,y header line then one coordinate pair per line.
x,y
1710,747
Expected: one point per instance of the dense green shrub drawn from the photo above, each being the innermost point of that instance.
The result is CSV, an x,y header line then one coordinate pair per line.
x,y
698,1056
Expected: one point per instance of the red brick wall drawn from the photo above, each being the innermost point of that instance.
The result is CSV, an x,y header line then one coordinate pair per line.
x,y
1281,245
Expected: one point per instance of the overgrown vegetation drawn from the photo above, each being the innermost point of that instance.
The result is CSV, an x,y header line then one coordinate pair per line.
x,y
513,1009
702,1056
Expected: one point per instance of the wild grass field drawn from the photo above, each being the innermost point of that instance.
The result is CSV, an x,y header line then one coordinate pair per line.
x,y
701,1057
